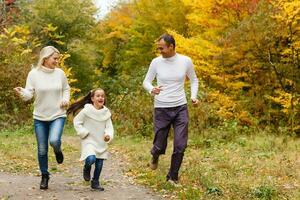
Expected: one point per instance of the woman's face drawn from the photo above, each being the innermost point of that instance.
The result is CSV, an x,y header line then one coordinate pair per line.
x,y
52,61
98,99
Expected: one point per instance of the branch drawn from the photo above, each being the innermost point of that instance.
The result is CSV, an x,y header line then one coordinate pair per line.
x,y
276,72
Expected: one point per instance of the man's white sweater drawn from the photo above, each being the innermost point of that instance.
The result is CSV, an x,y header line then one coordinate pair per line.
x,y
50,88
170,74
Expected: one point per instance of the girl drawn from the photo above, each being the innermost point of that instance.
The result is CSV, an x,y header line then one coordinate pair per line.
x,y
51,91
94,126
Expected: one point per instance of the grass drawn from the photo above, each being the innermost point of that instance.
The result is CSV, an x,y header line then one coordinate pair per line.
x,y
259,166
248,167
18,151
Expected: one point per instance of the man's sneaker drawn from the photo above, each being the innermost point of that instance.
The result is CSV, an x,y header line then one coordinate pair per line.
x,y
59,157
174,183
154,162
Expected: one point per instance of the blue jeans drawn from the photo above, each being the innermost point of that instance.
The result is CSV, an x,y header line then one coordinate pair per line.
x,y
44,131
98,165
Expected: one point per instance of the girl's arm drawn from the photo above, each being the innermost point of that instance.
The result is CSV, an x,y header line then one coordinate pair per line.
x,y
109,130
78,125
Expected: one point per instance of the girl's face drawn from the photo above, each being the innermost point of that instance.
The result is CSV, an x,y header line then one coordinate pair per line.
x,y
52,61
98,99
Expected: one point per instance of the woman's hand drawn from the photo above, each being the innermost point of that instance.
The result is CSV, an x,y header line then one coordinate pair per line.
x,y
18,90
106,138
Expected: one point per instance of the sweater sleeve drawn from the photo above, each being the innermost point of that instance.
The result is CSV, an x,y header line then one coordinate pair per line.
x,y
66,88
78,125
109,130
147,83
193,79
28,91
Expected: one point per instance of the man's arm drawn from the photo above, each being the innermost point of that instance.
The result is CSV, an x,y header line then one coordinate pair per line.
x,y
147,83
193,81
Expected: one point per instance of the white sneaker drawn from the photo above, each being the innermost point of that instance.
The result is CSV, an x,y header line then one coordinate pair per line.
x,y
174,183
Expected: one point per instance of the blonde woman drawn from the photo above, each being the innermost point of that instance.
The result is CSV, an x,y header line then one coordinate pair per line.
x,y
51,91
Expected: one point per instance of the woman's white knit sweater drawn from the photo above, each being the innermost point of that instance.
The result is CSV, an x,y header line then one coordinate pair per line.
x,y
91,125
49,87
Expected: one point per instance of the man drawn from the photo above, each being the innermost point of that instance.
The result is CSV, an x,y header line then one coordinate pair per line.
x,y
170,103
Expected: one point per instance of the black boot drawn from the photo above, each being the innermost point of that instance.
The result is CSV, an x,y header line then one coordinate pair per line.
x,y
44,181
87,173
96,185
59,157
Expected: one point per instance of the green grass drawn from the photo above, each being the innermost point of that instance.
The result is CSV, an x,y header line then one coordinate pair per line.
x,y
247,167
18,151
254,166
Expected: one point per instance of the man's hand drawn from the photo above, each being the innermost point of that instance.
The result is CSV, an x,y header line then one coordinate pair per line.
x,y
195,102
156,90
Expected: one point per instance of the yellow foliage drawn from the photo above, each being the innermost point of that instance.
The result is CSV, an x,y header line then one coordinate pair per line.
x,y
237,85
69,74
201,51
49,31
244,118
226,106
284,99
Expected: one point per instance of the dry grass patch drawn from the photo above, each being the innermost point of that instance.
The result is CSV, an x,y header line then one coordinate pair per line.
x,y
248,167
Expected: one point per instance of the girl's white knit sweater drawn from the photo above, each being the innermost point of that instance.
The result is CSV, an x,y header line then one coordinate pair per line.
x,y
50,88
91,125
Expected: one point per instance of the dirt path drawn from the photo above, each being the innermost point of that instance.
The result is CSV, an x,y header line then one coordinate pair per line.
x,y
69,185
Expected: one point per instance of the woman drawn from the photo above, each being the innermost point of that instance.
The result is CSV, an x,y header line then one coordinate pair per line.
x,y
51,91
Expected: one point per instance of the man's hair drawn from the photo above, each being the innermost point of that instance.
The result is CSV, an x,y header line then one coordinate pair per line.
x,y
169,39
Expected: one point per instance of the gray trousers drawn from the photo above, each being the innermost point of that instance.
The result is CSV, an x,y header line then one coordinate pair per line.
x,y
163,119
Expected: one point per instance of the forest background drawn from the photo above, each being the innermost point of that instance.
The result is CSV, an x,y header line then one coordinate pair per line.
x,y
245,53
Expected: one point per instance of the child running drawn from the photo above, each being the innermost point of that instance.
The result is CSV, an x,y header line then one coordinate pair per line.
x,y
94,126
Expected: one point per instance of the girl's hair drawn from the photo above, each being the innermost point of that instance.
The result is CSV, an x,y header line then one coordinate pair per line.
x,y
45,53
79,104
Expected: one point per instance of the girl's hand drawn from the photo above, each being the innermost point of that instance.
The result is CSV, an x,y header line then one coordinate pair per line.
x,y
64,104
106,138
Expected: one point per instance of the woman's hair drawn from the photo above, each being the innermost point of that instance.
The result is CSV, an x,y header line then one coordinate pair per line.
x,y
79,104
46,52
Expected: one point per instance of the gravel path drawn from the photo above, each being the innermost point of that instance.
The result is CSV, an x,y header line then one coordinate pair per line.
x,y
69,185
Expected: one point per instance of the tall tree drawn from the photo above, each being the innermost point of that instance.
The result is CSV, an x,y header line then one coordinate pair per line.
x,y
68,25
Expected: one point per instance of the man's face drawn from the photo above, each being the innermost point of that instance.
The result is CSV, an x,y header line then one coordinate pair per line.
x,y
165,50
